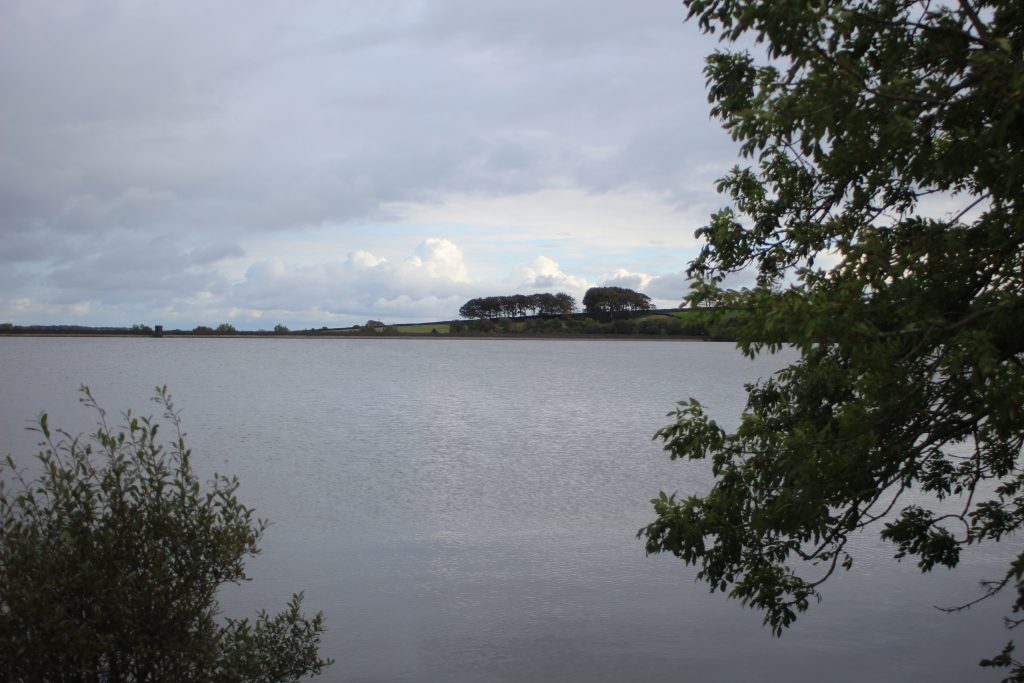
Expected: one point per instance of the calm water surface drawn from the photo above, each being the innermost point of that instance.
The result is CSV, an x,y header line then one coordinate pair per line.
x,y
466,510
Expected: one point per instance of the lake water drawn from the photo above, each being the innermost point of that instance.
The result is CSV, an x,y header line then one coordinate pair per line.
x,y
466,510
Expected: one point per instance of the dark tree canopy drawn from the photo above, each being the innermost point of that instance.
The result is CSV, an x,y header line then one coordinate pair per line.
x,y
517,305
881,214
609,300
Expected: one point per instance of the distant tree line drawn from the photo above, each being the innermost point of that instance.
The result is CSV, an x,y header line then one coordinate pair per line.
x,y
607,301
517,305
138,329
223,328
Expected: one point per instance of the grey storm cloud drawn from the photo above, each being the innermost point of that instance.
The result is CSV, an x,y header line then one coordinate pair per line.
x,y
136,267
203,123
265,115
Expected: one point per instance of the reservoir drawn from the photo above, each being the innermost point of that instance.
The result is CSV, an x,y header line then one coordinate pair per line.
x,y
466,510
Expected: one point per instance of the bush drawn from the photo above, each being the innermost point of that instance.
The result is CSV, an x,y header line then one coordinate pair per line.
x,y
623,327
651,326
111,560
551,326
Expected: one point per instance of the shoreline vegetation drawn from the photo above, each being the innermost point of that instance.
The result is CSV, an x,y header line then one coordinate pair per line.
x,y
661,324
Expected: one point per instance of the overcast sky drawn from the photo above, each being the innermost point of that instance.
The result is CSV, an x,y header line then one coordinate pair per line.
x,y
321,163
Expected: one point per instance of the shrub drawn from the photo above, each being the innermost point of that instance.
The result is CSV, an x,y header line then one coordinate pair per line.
x,y
622,326
551,326
111,559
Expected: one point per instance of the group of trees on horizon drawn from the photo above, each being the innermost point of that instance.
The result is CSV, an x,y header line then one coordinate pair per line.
x,y
517,305
223,328
612,300
600,301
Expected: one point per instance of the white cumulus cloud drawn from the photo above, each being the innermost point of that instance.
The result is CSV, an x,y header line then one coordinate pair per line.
x,y
621,277
440,258
433,281
546,274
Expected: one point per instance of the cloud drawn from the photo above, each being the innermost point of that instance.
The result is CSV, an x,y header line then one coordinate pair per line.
x,y
440,258
630,218
153,151
136,278
545,274
293,118
672,287
623,278
666,291
363,284
127,266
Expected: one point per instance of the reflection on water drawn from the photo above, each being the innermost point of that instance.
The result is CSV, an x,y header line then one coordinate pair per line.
x,y
465,510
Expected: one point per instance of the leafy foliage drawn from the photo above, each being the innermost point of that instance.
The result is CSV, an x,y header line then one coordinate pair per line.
x,y
687,323
518,305
882,218
110,563
612,300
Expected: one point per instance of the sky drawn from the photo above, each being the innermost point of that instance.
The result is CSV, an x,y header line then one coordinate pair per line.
x,y
262,162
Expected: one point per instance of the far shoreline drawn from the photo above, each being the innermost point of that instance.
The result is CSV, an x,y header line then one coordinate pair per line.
x,y
388,337
647,325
